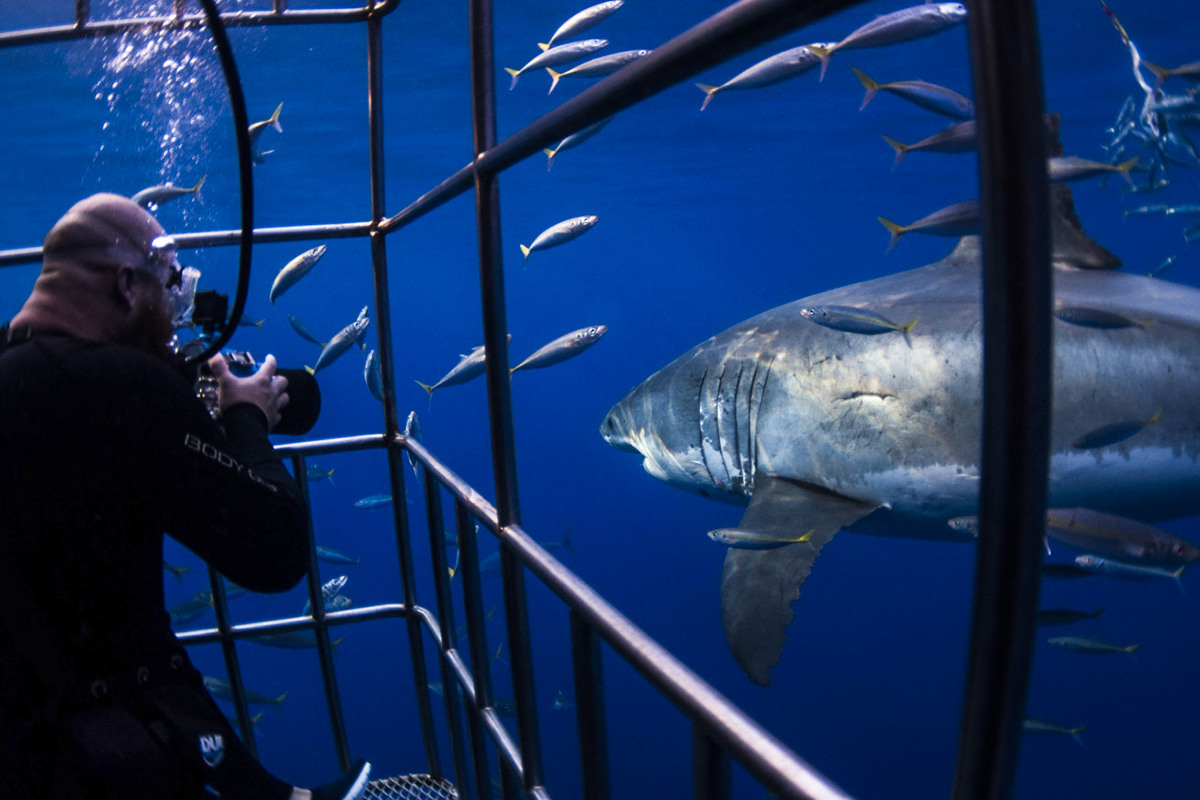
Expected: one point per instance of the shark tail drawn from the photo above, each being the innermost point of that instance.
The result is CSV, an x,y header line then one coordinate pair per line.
x,y
823,53
709,92
896,230
901,150
870,85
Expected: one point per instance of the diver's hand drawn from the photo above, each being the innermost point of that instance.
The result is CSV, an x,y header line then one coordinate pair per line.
x,y
264,388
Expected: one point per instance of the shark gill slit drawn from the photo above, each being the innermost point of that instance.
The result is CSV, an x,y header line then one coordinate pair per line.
x,y
700,424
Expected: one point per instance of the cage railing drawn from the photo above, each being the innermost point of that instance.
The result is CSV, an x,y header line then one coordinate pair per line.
x,y
1013,191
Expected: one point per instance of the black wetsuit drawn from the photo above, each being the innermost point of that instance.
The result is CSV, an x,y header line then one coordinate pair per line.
x,y
104,448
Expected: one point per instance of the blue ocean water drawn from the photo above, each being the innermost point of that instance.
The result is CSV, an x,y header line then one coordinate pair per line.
x,y
706,218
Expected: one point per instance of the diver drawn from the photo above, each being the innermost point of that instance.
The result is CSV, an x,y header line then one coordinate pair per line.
x,y
103,448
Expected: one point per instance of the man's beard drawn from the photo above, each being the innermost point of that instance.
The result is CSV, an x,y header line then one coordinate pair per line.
x,y
150,330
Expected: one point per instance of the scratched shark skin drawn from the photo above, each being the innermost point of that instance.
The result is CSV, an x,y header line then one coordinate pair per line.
x,y
820,429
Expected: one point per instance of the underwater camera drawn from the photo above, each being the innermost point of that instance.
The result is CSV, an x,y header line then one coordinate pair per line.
x,y
304,395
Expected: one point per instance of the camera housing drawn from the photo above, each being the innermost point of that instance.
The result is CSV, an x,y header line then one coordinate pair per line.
x,y
304,394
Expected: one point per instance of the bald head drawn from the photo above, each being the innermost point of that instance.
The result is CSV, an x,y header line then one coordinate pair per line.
x,y
102,230
88,286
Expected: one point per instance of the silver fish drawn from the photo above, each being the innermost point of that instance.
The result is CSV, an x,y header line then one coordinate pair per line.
x,y
295,269
597,67
566,346
571,51
372,376
342,341
1090,644
256,129
219,687
588,18
754,540
856,320
574,140
928,96
157,195
560,233
332,556
958,138
470,367
305,332
1038,725
779,67
1063,169
374,501
959,219
899,26
412,430
1121,569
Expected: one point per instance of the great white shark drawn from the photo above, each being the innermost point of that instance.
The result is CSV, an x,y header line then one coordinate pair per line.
x,y
821,429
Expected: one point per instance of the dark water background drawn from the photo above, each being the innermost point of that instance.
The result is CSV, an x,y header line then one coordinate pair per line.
x,y
705,219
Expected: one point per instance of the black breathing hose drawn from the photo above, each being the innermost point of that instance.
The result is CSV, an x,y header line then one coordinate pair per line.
x,y
241,126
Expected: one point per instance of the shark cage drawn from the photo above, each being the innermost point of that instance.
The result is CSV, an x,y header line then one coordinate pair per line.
x,y
1007,78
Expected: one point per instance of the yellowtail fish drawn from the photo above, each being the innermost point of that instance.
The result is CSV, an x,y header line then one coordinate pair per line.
x,y
256,129
574,140
560,233
566,346
292,641
1091,645
331,556
1064,169
1038,725
899,26
176,571
1117,432
753,540
342,341
247,322
470,367
294,270
959,219
1064,616
374,501
1121,569
157,195
856,320
1190,72
597,67
192,609
1091,317
578,23
562,54
412,432
372,376
1120,538
561,703
779,67
928,96
219,687
958,138
304,331
315,474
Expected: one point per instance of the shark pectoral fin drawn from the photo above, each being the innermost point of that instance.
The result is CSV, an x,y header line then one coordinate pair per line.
x,y
758,586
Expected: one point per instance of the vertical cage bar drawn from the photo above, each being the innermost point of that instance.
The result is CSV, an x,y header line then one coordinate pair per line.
x,y
710,767
495,326
1017,373
320,630
445,618
233,668
589,708
468,559
416,643
383,311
